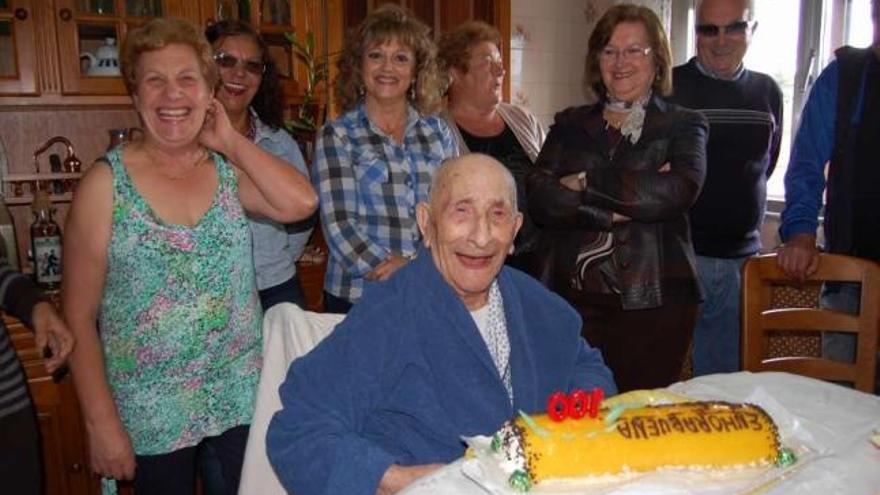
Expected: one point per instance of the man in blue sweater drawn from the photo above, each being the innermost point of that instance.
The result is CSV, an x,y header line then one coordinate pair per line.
x,y
453,345
840,126
744,109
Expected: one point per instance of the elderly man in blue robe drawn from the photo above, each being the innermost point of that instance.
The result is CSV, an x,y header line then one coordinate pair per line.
x,y
453,345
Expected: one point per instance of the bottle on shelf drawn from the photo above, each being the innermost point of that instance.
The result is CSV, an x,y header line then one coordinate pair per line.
x,y
7,231
45,242
58,186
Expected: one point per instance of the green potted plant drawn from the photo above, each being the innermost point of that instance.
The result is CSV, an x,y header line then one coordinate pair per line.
x,y
307,118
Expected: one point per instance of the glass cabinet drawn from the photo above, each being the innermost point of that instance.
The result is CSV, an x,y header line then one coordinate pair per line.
x,y
17,49
68,50
88,34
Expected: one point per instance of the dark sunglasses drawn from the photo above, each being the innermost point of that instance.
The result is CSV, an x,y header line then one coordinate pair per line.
x,y
227,61
737,28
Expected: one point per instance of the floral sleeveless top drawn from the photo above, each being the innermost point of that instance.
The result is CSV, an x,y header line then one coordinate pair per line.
x,y
180,318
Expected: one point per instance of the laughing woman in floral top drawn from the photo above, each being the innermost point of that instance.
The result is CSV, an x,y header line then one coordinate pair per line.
x,y
158,253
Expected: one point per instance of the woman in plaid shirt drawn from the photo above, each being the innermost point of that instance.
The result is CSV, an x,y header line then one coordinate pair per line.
x,y
375,162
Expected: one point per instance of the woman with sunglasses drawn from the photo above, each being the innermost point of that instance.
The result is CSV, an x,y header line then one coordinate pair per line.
x,y
251,94
611,191
375,162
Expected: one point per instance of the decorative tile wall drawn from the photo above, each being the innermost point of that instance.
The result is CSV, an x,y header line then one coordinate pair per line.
x,y
547,50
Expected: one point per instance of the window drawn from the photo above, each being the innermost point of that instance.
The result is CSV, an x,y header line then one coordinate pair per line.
x,y
774,51
859,31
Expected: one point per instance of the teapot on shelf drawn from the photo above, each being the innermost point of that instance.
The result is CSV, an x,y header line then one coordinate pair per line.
x,y
105,61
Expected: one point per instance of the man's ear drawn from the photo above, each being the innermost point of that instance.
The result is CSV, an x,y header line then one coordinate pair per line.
x,y
517,225
423,218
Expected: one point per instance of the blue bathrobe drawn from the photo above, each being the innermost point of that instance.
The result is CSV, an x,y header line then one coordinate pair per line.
x,y
407,374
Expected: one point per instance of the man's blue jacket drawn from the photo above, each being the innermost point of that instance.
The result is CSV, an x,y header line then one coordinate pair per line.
x,y
407,374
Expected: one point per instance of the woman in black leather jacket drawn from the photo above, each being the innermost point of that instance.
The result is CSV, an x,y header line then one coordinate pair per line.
x,y
611,190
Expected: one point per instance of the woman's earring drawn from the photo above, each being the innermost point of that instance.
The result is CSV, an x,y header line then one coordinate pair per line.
x,y
412,90
361,91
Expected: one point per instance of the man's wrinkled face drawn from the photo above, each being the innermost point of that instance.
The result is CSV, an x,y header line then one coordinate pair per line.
x,y
470,225
723,35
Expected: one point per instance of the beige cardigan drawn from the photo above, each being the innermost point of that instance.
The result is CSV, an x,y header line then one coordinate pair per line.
x,y
525,127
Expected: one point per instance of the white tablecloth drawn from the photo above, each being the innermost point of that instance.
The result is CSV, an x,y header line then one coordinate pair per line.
x,y
833,421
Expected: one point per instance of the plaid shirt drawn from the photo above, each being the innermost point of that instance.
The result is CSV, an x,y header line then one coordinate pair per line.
x,y
369,186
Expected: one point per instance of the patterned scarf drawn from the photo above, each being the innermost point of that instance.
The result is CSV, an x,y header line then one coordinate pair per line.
x,y
635,118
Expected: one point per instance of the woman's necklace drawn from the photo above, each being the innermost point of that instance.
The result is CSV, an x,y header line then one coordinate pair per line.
x,y
187,170
632,113
391,123
614,119
394,129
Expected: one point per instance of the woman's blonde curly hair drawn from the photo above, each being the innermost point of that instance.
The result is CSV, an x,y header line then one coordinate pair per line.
x,y
382,25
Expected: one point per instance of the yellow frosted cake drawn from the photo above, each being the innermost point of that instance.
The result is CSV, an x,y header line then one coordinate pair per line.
x,y
626,439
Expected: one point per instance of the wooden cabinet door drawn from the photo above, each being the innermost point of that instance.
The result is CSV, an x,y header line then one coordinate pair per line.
x,y
64,455
86,27
65,470
17,48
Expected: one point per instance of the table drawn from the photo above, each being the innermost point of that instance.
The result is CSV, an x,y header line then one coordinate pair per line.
x,y
834,421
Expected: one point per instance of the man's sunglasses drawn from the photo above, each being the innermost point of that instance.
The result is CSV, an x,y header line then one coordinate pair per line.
x,y
227,61
737,28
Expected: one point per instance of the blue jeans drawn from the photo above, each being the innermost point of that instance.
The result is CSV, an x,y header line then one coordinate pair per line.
x,y
717,334
843,297
841,346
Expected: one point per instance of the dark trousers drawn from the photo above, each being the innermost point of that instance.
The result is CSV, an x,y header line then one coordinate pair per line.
x,y
333,304
20,465
644,348
289,291
174,473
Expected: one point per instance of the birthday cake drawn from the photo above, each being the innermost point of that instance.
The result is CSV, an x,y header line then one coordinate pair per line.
x,y
580,440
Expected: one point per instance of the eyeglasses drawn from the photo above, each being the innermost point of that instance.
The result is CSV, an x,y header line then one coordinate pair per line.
x,y
737,28
227,61
634,52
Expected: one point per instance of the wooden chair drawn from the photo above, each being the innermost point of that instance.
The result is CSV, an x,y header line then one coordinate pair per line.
x,y
760,320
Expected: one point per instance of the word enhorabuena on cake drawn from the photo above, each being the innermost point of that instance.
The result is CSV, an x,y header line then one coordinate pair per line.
x,y
583,440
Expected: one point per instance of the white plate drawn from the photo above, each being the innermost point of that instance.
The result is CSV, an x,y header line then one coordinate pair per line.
x,y
665,482
484,469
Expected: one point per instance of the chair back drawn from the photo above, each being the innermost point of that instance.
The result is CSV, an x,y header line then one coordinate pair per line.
x,y
761,275
288,333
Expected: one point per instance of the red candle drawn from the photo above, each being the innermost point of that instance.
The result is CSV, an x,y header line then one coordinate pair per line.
x,y
595,400
578,404
557,406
